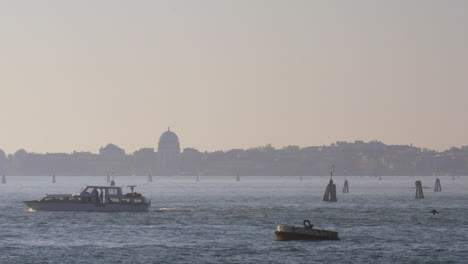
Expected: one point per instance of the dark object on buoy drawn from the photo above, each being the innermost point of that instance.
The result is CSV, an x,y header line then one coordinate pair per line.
x,y
284,233
434,212
307,224
346,187
437,187
419,190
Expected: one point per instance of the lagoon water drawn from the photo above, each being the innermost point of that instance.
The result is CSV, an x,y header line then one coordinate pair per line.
x,y
219,220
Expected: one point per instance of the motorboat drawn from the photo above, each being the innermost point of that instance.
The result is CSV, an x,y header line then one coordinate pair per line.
x,y
93,199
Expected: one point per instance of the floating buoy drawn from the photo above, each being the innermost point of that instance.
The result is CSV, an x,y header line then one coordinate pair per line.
x,y
238,177
150,178
3,179
53,179
304,233
112,182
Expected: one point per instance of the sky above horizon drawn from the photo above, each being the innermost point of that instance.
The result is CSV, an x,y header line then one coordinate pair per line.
x,y
77,75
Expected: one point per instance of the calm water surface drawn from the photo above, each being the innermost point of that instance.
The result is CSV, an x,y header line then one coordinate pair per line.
x,y
219,220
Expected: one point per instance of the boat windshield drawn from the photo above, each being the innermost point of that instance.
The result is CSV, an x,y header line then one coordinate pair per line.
x,y
112,191
88,190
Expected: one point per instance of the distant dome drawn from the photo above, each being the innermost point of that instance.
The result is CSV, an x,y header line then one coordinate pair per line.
x,y
169,142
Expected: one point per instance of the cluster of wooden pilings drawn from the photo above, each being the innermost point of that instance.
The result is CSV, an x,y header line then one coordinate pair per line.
x,y
346,187
419,190
437,187
330,192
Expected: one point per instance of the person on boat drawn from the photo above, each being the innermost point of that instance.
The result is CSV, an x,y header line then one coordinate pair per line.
x,y
96,196
101,196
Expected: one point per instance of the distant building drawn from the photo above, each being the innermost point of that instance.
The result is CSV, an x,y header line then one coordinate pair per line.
x,y
112,151
145,161
169,153
144,152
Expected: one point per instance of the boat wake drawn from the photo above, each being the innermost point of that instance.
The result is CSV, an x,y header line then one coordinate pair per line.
x,y
173,209
210,210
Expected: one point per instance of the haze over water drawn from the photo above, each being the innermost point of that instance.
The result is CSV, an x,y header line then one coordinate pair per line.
x,y
218,220
281,78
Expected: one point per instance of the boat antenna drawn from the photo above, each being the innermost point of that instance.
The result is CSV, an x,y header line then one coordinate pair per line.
x,y
131,187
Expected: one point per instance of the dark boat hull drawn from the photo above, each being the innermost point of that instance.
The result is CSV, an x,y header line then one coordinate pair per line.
x,y
86,207
304,233
285,236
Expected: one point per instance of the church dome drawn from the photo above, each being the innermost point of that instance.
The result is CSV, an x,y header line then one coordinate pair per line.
x,y
169,142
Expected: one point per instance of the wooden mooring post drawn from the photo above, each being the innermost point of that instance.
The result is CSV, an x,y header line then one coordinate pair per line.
x,y
437,187
330,191
419,190
346,187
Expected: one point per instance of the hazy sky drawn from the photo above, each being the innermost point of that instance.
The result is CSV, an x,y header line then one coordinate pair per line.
x,y
76,75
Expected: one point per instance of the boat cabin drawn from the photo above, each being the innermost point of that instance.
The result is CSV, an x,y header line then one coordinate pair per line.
x,y
99,195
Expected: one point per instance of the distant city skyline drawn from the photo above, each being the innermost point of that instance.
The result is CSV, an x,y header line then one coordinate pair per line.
x,y
78,75
352,158
181,148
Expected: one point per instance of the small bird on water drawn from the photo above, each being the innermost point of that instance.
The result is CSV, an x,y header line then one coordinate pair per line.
x,y
434,211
